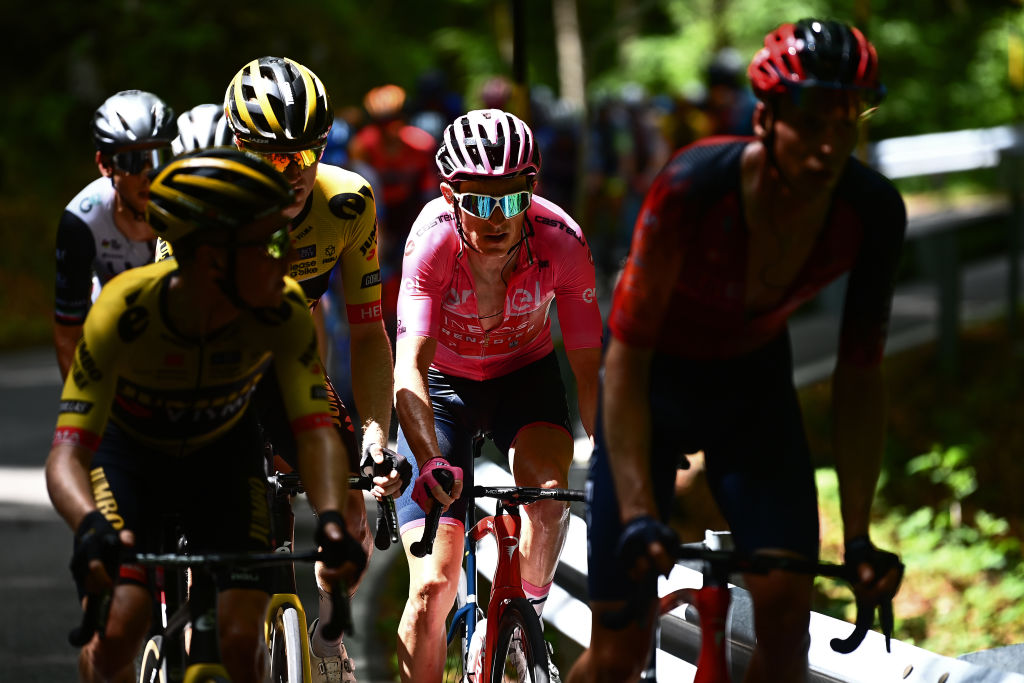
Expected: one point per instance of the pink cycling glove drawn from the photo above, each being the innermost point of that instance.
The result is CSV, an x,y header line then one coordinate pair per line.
x,y
428,478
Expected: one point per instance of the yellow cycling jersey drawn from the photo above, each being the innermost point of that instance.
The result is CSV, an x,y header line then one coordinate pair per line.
x,y
175,393
338,225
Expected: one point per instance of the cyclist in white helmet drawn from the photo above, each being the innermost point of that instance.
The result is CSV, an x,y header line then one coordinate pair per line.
x,y
483,264
103,229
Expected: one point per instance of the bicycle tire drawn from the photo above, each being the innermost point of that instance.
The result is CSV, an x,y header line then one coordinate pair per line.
x,y
153,668
518,618
458,646
285,642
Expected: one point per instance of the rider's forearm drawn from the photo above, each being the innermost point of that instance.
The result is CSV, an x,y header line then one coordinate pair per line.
x,y
585,365
323,468
68,483
627,419
412,398
372,380
65,339
858,404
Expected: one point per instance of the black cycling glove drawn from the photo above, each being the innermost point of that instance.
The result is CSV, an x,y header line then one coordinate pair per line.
x,y
637,537
860,550
95,539
337,553
392,460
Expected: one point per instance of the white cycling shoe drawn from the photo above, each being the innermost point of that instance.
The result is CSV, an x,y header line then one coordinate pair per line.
x,y
334,669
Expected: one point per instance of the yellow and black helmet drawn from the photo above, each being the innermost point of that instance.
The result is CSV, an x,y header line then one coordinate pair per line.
x,y
277,101
213,191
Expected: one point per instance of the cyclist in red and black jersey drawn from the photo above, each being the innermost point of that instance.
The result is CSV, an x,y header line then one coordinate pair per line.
x,y
733,236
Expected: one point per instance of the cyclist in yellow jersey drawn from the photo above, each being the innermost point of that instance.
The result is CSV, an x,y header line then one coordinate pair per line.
x,y
279,109
155,415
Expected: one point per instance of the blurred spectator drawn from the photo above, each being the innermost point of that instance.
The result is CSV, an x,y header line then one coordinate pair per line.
x,y
730,102
403,157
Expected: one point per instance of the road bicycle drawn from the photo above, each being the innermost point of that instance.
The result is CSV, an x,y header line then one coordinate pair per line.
x,y
164,656
286,627
177,602
711,603
514,647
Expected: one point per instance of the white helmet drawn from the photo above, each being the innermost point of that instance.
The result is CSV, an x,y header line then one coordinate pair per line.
x,y
487,143
201,127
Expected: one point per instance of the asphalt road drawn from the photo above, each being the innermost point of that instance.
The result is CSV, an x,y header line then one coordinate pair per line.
x,y
36,586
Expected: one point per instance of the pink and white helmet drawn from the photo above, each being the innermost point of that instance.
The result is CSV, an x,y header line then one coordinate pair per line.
x,y
487,143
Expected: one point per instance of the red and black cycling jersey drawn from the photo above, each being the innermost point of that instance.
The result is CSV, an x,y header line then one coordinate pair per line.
x,y
683,290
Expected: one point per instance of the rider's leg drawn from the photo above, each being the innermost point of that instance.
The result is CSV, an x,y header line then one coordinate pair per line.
x,y
613,656
433,582
782,606
240,617
542,454
113,657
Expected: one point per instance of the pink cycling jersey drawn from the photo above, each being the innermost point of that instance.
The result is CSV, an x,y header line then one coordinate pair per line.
x,y
437,298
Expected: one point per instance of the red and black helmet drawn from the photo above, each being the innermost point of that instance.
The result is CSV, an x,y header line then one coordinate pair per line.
x,y
816,54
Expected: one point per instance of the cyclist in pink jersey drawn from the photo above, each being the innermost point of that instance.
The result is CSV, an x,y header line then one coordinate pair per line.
x,y
483,264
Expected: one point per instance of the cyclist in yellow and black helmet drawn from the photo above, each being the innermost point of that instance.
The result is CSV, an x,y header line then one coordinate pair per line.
x,y
279,109
155,416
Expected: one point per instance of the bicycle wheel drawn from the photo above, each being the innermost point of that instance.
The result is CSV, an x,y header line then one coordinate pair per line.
x,y
154,667
455,630
285,642
520,654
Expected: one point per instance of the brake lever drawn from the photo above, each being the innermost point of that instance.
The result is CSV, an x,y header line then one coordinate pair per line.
x,y
387,516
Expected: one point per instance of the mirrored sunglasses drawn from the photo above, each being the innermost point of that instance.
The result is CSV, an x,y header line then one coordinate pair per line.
x,y
276,246
138,160
481,205
303,159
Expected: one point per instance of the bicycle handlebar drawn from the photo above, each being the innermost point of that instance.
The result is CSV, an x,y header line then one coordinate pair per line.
x,y
97,606
523,495
720,563
510,495
387,517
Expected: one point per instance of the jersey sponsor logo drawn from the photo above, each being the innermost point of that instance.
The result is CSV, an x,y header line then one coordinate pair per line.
x,y
111,243
132,323
303,268
259,517
105,501
185,412
370,279
523,300
348,205
330,252
307,252
76,407
84,368
544,220
455,298
365,313
369,247
589,294
302,233
76,437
